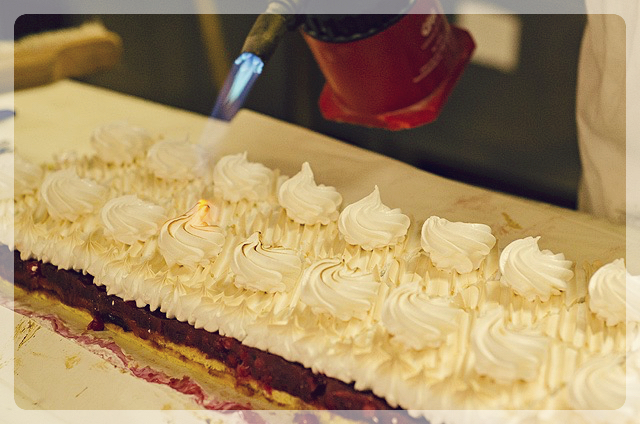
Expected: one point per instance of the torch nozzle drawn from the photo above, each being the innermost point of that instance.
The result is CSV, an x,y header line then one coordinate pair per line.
x,y
264,37
266,33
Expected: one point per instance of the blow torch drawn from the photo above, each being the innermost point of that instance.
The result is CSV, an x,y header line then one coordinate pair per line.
x,y
391,65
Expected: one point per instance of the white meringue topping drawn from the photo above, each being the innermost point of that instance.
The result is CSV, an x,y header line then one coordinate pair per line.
x,y
235,178
456,246
28,176
119,142
7,176
176,159
614,295
67,196
306,202
600,383
129,219
371,224
533,273
263,268
330,286
384,319
507,354
418,321
191,239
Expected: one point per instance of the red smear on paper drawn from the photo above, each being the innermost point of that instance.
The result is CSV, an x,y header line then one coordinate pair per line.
x,y
113,353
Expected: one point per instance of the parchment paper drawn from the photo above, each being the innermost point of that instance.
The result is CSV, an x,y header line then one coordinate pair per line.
x,y
60,117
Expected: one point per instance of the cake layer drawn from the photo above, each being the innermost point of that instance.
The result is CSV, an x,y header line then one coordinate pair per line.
x,y
243,363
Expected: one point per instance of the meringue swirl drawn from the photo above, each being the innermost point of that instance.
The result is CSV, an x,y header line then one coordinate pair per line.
x,y
600,383
371,224
418,321
235,178
175,159
67,196
330,286
306,202
191,239
614,295
633,298
533,273
6,176
457,246
267,269
119,142
128,219
504,354
28,176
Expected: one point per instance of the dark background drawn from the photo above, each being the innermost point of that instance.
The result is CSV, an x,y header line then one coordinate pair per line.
x,y
512,132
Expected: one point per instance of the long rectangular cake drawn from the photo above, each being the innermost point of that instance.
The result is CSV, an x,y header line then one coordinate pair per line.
x,y
273,282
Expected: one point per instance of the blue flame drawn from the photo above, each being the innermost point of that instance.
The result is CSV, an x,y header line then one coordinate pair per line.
x,y
244,73
6,114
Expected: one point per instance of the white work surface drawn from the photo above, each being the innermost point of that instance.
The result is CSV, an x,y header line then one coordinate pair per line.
x,y
61,117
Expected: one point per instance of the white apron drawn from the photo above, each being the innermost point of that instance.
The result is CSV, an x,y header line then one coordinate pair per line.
x,y
608,111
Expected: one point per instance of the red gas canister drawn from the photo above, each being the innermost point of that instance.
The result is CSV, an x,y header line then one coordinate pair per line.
x,y
391,71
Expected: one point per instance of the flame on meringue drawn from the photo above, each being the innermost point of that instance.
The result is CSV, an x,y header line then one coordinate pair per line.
x,y
191,238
